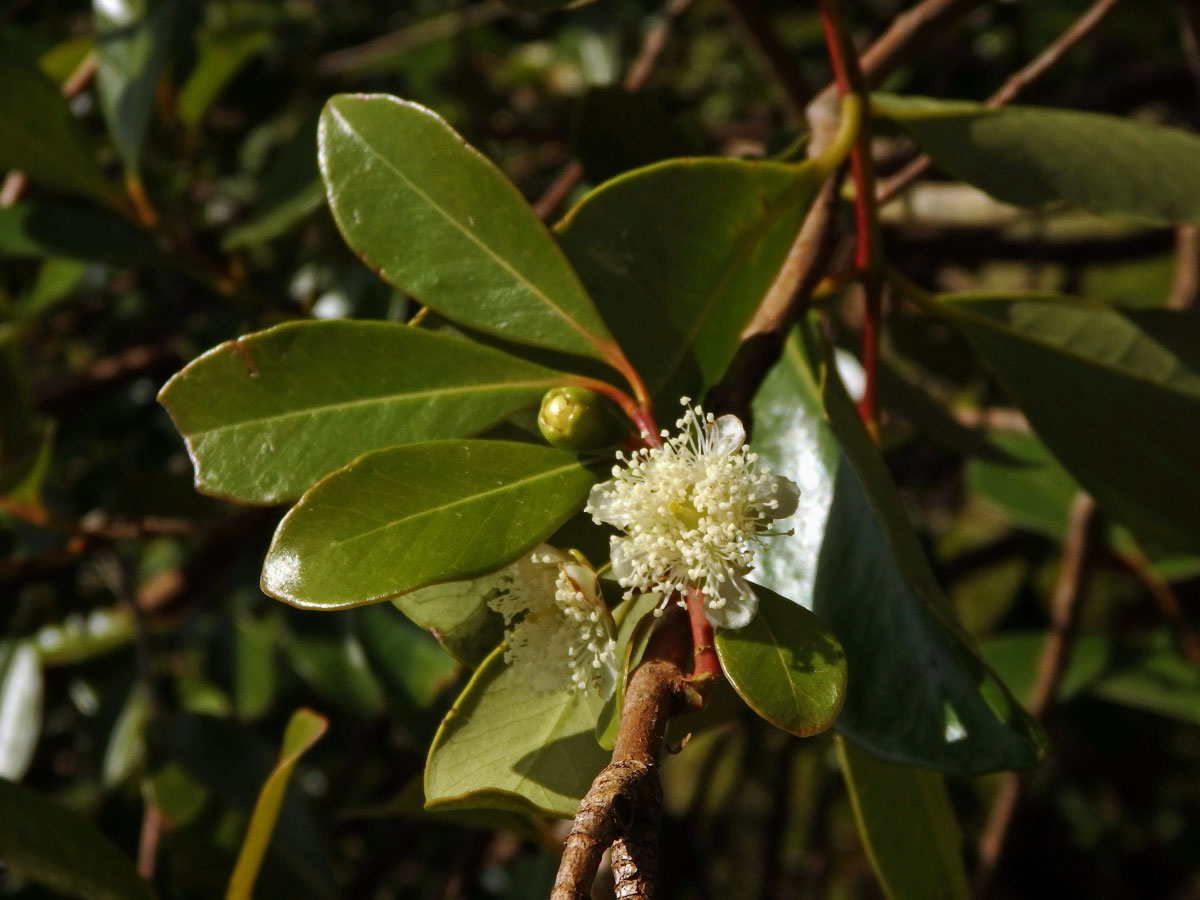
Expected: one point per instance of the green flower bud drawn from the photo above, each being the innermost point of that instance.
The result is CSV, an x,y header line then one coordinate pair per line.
x,y
576,418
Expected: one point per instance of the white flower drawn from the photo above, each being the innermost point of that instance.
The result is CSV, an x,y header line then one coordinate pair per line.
x,y
693,512
558,629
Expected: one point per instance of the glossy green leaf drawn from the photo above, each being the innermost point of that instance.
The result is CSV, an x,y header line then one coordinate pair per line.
x,y
437,219
43,230
39,136
21,691
303,730
679,255
132,41
1031,156
219,57
267,415
1116,398
917,691
399,519
786,665
55,848
504,746
406,660
907,826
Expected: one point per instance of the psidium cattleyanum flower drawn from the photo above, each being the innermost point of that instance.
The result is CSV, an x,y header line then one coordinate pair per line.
x,y
693,512
558,630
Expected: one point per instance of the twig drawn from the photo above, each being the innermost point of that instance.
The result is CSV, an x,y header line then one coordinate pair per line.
x,y
378,52
625,799
152,828
763,338
635,79
1168,604
1016,83
780,60
1185,283
1064,616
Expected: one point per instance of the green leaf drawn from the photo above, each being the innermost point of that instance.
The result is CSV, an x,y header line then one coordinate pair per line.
x,y
399,519
267,415
57,849
786,665
126,744
303,730
330,658
457,614
41,230
437,219
204,746
543,6
39,136
405,659
917,692
132,41
1116,398
1152,675
277,217
1031,156
220,55
77,639
1035,492
503,746
1014,655
907,825
21,691
679,255
254,664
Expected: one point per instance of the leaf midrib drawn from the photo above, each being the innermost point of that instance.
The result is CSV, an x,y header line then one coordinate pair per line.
x,y
398,398
463,501
533,289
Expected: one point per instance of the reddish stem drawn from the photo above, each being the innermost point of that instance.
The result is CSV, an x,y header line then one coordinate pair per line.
x,y
705,664
848,76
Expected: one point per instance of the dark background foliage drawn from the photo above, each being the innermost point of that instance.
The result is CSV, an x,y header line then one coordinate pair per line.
x,y
168,676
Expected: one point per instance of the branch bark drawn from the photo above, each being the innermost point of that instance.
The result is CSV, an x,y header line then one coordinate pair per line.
x,y
625,799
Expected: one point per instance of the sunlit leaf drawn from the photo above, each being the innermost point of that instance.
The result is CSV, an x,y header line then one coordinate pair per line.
x,y
436,219
786,665
265,416
679,255
505,746
399,519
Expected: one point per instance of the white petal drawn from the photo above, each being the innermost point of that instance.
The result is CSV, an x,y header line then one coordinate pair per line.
x,y
604,505
622,568
741,604
786,494
727,434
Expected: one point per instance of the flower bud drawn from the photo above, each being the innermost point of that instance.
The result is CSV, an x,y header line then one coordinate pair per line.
x,y
576,418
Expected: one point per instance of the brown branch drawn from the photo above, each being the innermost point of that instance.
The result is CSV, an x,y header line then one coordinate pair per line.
x,y
635,79
379,52
1185,283
1016,83
808,260
1164,598
626,797
1064,617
